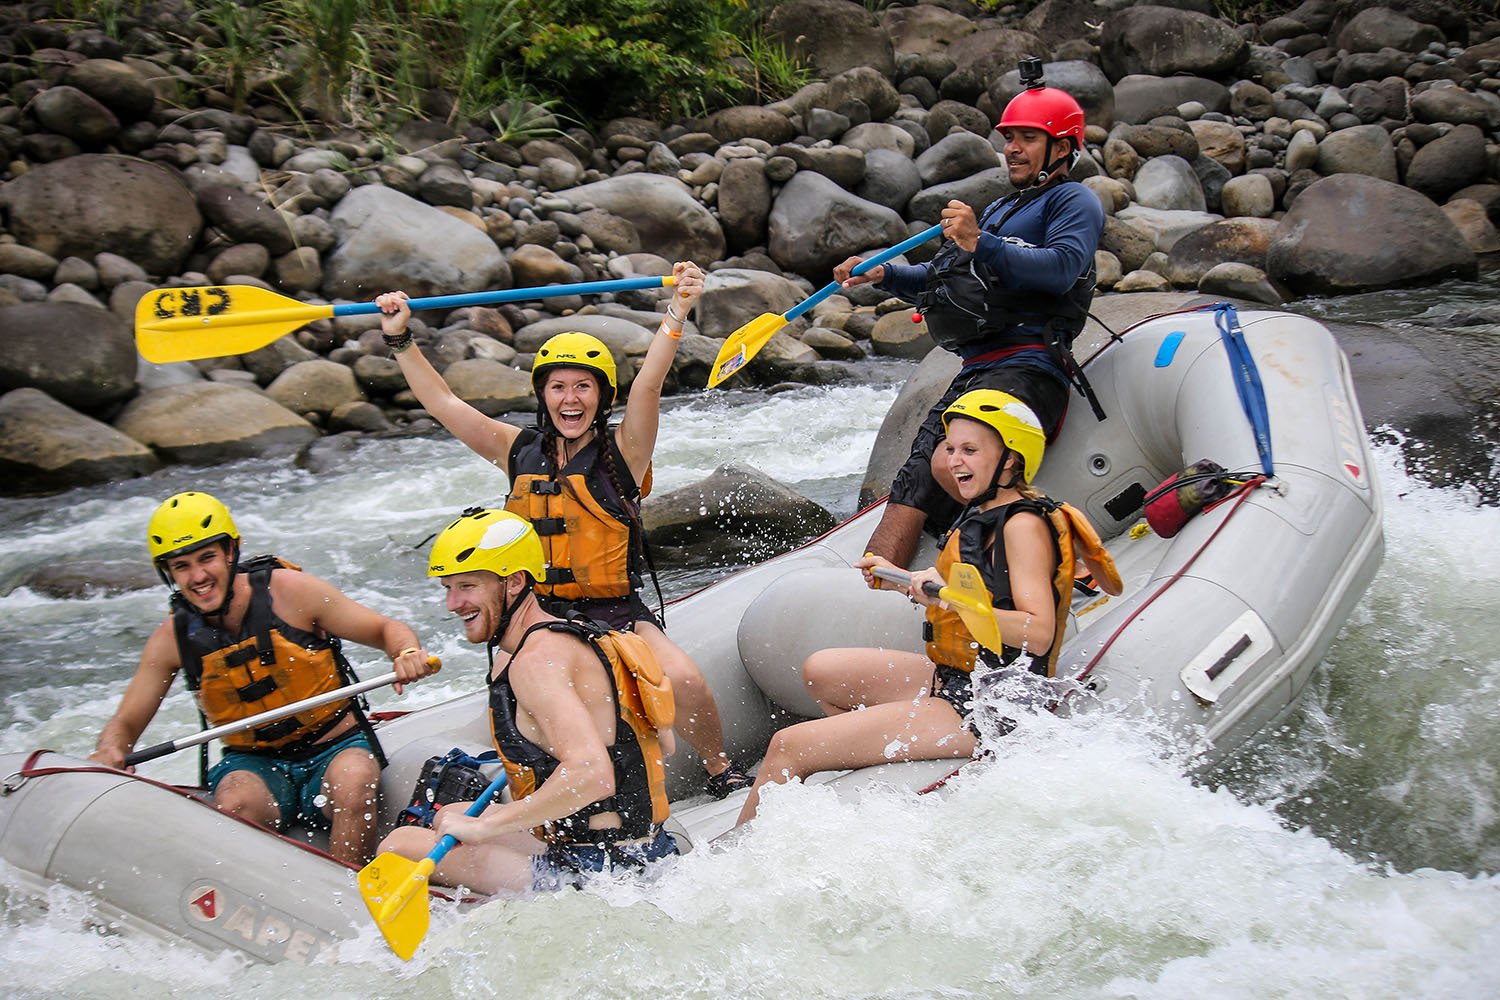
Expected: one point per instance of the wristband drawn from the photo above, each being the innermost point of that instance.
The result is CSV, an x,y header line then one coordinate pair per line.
x,y
397,343
674,334
408,649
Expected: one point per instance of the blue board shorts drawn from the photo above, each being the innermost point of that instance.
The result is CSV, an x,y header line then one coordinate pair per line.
x,y
297,785
562,865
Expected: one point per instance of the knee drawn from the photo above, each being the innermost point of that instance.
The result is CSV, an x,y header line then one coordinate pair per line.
x,y
408,841
816,670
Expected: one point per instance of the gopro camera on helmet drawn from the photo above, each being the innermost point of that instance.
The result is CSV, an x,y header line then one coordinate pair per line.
x,y
1030,71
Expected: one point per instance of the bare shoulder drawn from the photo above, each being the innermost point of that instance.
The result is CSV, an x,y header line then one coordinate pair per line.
x,y
547,653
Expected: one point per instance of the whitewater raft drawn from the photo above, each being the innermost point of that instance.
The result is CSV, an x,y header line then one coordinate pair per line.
x,y
1216,634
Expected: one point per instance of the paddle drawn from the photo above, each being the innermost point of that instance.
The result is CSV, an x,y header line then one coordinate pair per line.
x,y
744,343
184,324
965,593
270,715
391,885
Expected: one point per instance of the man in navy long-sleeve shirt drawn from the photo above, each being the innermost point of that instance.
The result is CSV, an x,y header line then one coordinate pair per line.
x,y
1038,247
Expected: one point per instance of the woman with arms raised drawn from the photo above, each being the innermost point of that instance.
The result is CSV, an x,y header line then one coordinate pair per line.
x,y
580,482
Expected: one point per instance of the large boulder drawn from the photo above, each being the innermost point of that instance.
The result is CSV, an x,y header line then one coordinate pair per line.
x,y
1448,163
491,387
815,224
670,221
744,202
737,512
209,422
45,446
734,296
1243,240
85,205
1352,233
79,354
924,29
831,36
318,386
390,240
1140,97
249,218
1162,41
984,57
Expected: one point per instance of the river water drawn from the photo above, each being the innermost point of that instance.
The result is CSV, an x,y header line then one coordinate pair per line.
x,y
1351,852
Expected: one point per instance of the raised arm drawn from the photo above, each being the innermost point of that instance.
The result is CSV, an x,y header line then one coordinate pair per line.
x,y
487,437
143,696
636,434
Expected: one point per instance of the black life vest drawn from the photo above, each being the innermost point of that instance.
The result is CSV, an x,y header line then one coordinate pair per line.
x,y
640,796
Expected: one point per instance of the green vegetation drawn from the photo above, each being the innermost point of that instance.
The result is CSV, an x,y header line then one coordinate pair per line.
x,y
510,63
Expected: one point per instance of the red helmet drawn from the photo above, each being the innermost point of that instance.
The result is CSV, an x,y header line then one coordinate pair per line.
x,y
1047,108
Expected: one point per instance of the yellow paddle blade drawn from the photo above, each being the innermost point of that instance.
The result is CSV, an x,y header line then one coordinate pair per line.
x,y
744,344
212,321
395,890
967,594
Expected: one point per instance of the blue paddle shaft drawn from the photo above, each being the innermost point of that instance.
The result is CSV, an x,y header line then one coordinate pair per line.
x,y
448,841
861,268
507,295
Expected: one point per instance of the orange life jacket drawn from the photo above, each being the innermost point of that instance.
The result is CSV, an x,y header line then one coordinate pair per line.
x,y
643,698
269,664
949,641
590,533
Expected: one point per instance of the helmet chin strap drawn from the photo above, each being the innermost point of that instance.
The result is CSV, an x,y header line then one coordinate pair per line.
x,y
995,484
507,611
1050,170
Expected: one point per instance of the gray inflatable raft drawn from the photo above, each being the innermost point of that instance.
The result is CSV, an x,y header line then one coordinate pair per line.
x,y
1216,633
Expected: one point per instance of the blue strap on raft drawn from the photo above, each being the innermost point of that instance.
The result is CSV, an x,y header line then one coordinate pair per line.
x,y
1246,381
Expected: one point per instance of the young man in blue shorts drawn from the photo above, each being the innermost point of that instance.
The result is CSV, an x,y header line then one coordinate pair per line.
x,y
253,636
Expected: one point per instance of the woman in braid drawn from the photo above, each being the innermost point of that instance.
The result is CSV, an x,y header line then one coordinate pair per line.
x,y
580,483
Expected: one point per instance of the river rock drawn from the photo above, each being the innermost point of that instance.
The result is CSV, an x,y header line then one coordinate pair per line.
x,y
1445,102
956,156
1448,163
924,29
864,85
986,55
1376,28
1364,149
80,579
844,165
896,335
26,262
209,422
744,202
737,512
46,446
95,203
815,224
1241,281
533,265
81,355
1169,183
1250,194
1471,220
831,36
734,296
1242,240
1352,233
113,84
69,111
1140,97
1162,41
378,229
317,386
977,190
1166,226
622,337
890,179
670,221
491,387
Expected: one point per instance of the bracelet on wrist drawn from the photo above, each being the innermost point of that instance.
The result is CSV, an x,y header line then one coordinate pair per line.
x,y
397,343
672,315
665,328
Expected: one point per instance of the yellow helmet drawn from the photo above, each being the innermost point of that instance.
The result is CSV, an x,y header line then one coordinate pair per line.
x,y
576,350
496,540
186,522
1012,419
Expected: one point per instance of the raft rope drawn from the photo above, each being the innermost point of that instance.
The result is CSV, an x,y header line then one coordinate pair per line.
x,y
1237,498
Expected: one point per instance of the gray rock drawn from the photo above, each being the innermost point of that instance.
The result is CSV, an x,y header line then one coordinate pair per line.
x,y
624,338
881,135
490,387
1168,182
978,190
70,112
46,446
1166,226
94,203
210,422
662,209
1448,103
316,386
25,262
377,229
815,224
831,36
890,180
81,355
844,165
744,202
1472,221
1350,233
113,84
532,266
984,56
956,156
737,512
734,296
1222,142
1242,240
750,121
1375,28
1140,97
1248,195
1162,41
1240,281
895,335
1448,163
924,29
1365,149
246,217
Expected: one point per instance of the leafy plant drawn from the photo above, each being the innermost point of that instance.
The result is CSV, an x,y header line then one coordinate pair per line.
x,y
773,72
245,34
